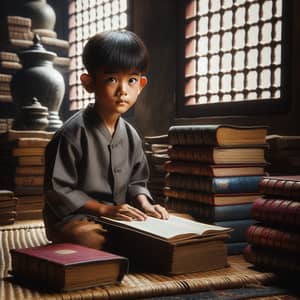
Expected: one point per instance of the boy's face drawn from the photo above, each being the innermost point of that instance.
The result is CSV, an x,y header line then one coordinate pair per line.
x,y
115,92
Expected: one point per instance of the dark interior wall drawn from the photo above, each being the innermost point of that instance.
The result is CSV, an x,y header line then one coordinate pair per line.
x,y
155,22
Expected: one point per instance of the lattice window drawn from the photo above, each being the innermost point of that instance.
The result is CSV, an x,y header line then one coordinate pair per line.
x,y
86,17
232,51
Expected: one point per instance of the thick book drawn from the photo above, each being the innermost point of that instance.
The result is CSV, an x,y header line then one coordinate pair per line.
x,y
210,213
217,135
30,160
218,155
201,169
239,229
209,198
273,238
272,260
281,186
279,212
29,180
12,135
173,246
216,185
28,151
65,267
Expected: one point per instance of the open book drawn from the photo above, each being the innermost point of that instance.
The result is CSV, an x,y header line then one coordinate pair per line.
x,y
174,229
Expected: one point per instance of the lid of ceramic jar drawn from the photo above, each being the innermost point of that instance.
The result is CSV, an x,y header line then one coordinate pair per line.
x,y
35,106
37,51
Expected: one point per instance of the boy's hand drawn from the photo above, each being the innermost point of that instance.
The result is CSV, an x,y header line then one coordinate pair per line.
x,y
153,210
123,212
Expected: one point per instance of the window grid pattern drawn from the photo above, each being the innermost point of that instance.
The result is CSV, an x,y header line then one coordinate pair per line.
x,y
87,17
232,50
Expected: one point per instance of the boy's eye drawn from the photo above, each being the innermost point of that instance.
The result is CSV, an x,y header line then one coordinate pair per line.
x,y
133,80
111,80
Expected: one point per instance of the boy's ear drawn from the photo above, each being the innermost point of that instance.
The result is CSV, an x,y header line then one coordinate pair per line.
x,y
88,82
143,82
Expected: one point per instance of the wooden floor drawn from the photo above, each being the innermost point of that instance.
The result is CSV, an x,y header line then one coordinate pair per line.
x,y
134,286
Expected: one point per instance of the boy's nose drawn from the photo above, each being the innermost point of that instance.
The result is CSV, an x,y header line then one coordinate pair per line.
x,y
122,90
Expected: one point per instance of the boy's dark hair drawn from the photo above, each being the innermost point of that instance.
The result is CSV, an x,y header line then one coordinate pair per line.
x,y
115,51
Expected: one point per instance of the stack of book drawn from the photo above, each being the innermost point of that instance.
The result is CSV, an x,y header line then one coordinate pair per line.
x,y
7,207
274,242
5,93
15,31
156,150
214,173
283,154
22,169
5,123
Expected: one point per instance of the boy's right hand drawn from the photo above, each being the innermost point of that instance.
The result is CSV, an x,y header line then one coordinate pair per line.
x,y
123,212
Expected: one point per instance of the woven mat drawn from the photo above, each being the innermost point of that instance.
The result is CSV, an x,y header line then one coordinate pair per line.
x,y
134,286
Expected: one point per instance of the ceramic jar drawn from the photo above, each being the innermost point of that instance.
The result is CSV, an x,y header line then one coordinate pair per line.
x,y
39,79
41,14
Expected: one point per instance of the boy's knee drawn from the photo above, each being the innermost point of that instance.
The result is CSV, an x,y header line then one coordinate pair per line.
x,y
83,232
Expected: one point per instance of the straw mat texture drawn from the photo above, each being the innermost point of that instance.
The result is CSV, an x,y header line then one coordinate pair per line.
x,y
134,286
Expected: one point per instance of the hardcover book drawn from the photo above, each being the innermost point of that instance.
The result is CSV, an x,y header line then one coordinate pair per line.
x,y
278,212
216,185
281,186
217,135
65,267
209,198
172,246
272,260
194,168
210,213
273,238
218,155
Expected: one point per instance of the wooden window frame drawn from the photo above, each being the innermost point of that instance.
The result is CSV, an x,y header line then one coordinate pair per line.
x,y
253,107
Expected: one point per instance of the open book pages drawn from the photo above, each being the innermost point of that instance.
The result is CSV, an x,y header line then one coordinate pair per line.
x,y
174,229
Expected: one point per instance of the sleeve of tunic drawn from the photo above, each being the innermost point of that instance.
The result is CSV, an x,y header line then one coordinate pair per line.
x,y
139,175
61,177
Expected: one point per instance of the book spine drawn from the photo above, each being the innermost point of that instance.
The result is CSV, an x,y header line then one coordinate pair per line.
x,y
191,154
210,213
24,151
217,185
277,211
189,195
193,135
187,168
32,142
239,227
29,180
277,187
272,260
272,238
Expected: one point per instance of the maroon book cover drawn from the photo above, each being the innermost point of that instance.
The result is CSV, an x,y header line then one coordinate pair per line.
x,y
282,186
277,211
68,254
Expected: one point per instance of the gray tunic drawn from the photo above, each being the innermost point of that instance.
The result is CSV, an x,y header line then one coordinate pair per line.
x,y
84,162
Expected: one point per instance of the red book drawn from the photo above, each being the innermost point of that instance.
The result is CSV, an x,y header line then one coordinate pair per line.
x,y
64,267
272,238
272,260
281,186
277,211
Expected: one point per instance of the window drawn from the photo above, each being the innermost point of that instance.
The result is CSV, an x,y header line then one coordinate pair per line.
x,y
233,57
86,17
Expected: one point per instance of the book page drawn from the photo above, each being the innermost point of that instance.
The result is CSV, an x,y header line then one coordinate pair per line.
x,y
171,228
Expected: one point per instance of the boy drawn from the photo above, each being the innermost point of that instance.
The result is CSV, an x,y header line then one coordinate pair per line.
x,y
95,164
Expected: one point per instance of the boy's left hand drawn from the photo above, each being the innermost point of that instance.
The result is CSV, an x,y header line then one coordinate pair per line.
x,y
153,210
156,211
